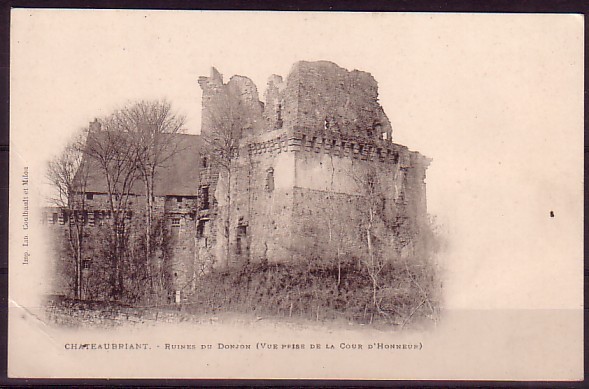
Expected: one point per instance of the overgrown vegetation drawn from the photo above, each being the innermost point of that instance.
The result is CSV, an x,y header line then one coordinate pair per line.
x,y
408,292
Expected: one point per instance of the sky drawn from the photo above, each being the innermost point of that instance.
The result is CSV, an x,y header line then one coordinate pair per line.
x,y
495,100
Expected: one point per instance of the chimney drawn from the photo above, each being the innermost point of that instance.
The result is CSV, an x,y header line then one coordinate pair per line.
x,y
95,126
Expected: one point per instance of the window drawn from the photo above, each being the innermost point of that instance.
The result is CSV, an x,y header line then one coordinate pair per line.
x,y
238,246
204,197
95,218
54,218
270,180
200,228
178,199
89,196
175,228
241,234
86,264
279,116
205,162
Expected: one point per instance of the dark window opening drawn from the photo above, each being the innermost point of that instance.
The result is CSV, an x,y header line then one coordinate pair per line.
x,y
89,196
86,264
54,218
241,234
175,222
204,197
238,246
270,179
279,116
200,228
205,162
178,199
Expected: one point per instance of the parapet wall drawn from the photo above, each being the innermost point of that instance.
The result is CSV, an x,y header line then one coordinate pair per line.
x,y
322,95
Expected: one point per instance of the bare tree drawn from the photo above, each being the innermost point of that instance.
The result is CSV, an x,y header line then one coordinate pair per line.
x,y
228,119
114,152
335,223
68,174
154,129
372,211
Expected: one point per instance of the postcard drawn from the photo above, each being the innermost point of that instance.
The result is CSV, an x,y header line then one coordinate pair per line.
x,y
203,194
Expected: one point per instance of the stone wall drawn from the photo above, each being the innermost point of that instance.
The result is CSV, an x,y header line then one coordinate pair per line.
x,y
273,109
322,131
261,207
177,266
322,95
94,315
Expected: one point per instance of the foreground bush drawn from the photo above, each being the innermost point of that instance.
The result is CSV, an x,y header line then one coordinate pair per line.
x,y
406,292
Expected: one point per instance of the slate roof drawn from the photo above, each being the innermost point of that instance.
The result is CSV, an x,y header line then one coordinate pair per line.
x,y
177,176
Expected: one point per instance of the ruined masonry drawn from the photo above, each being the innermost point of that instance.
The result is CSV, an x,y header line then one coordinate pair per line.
x,y
296,187
301,158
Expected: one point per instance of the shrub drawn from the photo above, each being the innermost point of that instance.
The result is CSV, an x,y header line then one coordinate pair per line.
x,y
310,290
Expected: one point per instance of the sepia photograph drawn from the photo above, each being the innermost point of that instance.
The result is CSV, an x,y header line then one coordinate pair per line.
x,y
296,195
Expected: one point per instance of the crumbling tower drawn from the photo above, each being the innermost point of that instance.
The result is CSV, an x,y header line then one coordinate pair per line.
x,y
299,157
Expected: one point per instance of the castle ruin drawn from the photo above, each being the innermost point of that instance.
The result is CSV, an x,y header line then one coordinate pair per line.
x,y
302,164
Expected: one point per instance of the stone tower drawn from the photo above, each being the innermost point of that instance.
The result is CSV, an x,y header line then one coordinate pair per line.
x,y
305,162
